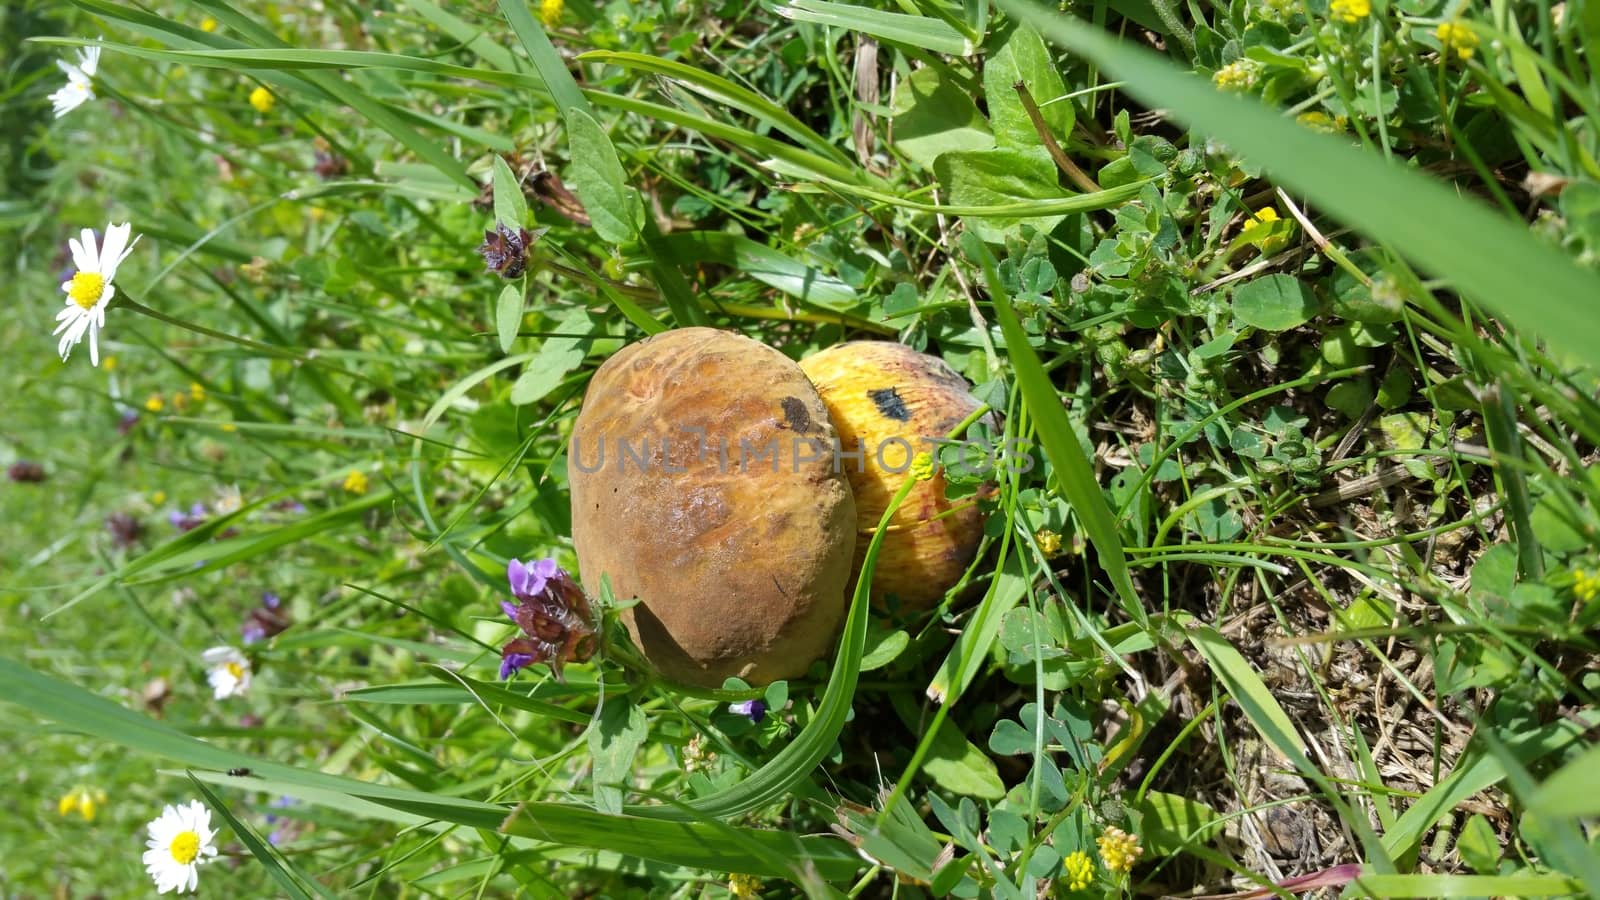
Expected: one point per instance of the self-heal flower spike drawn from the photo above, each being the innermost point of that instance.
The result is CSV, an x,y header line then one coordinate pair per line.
x,y
79,88
553,613
505,252
228,671
181,840
89,291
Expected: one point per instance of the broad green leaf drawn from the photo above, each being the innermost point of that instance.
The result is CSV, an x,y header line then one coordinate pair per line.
x,y
510,207
1171,822
508,315
933,116
555,359
1544,293
1274,303
999,177
1022,57
613,743
597,177
1574,790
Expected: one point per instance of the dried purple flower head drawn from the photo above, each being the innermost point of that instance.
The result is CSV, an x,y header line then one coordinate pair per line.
x,y
505,252
188,521
754,710
25,472
125,528
553,612
329,164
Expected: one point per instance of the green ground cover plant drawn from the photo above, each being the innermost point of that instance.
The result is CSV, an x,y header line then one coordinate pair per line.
x,y
1291,306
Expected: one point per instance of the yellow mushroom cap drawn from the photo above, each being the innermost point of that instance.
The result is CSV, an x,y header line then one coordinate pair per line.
x,y
890,400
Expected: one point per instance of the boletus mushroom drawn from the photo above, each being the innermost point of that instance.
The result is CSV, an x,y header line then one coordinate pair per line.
x,y
703,485
892,403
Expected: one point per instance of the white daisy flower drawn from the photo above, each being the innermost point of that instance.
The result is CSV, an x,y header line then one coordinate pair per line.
x,y
229,672
79,88
89,291
180,840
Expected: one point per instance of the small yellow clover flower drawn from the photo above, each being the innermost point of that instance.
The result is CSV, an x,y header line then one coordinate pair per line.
x,y
1458,37
744,887
1049,542
1349,11
1586,584
262,100
1239,75
1260,232
82,801
1079,869
1317,120
922,467
550,12
208,24
1119,850
356,482
155,403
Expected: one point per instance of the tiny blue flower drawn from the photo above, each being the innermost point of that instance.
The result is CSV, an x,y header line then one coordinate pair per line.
x,y
754,710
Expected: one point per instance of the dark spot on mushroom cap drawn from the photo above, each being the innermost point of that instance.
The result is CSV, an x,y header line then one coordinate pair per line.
x,y
795,415
889,403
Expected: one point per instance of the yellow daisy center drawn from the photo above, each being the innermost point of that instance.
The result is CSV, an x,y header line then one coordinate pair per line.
x,y
86,289
234,669
185,847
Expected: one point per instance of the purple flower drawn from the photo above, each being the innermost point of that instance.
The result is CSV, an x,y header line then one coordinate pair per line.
x,y
553,613
129,419
529,579
754,710
270,600
513,662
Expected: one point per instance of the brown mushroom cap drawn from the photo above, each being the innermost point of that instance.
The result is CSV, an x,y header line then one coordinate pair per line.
x,y
739,560
895,401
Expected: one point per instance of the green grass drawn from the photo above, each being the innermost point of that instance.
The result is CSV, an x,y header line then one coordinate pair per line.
x,y
1304,580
